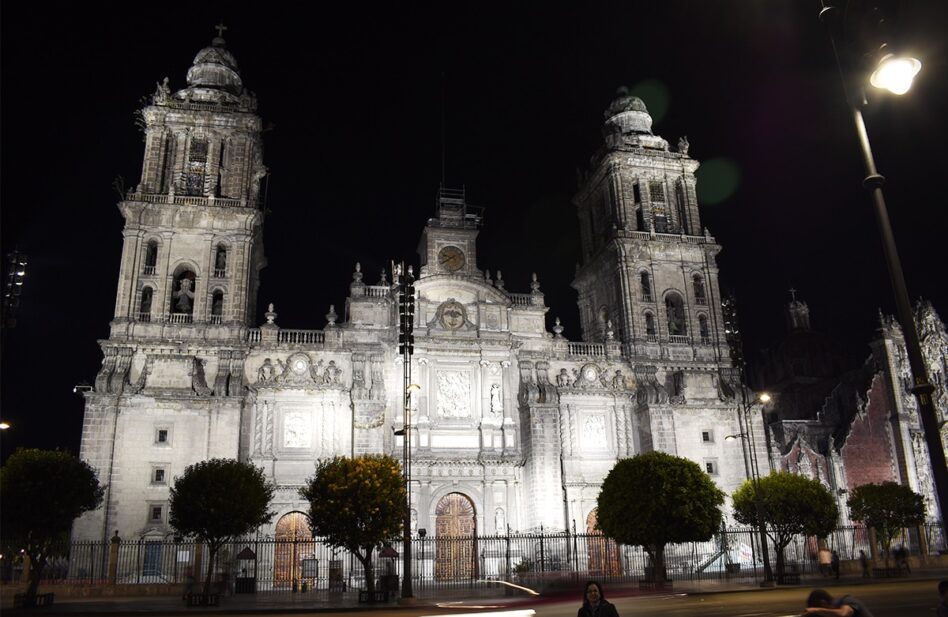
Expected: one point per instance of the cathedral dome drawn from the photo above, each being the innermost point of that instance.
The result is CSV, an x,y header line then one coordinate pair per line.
x,y
627,114
215,68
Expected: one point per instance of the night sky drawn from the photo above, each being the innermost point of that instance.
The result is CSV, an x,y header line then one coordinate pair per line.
x,y
356,99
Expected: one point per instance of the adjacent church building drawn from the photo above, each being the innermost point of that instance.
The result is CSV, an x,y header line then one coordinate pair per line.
x,y
514,427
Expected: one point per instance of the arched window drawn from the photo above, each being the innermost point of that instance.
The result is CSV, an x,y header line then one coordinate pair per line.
x,y
151,257
646,286
649,325
220,262
144,307
182,296
703,329
217,307
675,313
700,297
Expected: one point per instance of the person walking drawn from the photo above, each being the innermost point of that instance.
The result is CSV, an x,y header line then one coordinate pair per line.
x,y
826,559
864,562
821,603
834,564
595,603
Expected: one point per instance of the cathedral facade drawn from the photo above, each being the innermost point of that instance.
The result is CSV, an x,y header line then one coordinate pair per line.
x,y
514,427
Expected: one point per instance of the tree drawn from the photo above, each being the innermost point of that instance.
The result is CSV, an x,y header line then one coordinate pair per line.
x,y
218,500
356,504
790,504
43,491
654,499
888,508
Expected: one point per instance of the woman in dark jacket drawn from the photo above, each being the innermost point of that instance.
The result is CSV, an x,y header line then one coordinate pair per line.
x,y
595,603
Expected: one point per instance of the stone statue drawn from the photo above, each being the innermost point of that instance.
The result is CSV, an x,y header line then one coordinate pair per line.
x,y
265,372
184,297
496,406
618,382
683,144
500,521
563,380
162,92
332,374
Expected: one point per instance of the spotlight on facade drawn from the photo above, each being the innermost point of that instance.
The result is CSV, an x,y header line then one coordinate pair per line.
x,y
4,425
764,397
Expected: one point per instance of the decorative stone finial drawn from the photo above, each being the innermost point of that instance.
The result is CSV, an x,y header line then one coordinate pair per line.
x,y
331,316
610,333
558,329
535,284
487,277
500,281
384,279
270,315
357,275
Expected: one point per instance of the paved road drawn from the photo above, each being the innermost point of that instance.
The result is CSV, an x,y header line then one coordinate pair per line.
x,y
904,599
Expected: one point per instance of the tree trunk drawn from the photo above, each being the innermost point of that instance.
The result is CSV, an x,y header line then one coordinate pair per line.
x,y
369,572
37,562
212,554
660,565
780,564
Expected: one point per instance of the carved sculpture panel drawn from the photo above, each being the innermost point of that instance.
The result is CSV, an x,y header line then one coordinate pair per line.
x,y
454,394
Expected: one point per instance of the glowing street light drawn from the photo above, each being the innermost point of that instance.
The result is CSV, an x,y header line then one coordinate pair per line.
x,y
895,73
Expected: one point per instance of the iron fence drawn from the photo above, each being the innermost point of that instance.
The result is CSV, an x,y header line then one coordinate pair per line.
x,y
471,566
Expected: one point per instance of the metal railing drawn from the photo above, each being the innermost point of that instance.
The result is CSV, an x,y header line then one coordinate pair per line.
x,y
469,566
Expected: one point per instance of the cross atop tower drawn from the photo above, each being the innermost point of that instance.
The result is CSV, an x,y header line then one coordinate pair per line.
x,y
793,294
220,29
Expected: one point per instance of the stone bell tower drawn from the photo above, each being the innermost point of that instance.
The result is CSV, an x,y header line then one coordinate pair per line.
x,y
172,388
648,275
193,246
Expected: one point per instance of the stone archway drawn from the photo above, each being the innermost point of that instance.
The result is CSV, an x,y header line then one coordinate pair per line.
x,y
602,552
455,538
294,541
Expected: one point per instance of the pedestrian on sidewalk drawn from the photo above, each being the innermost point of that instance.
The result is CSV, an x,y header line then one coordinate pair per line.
x,y
901,559
835,564
943,593
820,602
595,603
864,562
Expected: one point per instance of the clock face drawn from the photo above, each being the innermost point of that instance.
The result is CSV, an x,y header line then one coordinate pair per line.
x,y
451,258
590,373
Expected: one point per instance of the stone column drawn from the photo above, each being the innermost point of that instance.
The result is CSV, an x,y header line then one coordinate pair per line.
x,y
114,545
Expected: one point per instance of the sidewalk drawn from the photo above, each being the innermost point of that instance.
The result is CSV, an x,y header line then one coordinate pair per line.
x,y
320,601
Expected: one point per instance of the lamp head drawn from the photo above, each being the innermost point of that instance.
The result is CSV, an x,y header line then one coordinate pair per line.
x,y
4,426
895,73
731,437
764,397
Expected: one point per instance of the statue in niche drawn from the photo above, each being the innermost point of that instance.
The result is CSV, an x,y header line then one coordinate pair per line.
x,y
563,380
414,521
500,521
496,406
184,297
618,382
265,372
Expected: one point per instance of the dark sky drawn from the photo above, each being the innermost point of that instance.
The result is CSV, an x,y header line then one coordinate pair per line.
x,y
355,97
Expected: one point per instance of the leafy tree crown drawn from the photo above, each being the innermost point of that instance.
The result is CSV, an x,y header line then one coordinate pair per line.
x,y
43,492
220,498
887,505
656,498
790,503
356,503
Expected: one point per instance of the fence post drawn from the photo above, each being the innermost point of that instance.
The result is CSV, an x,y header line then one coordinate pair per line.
x,y
542,557
114,544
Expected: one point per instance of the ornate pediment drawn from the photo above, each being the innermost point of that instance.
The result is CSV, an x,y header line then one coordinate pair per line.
x,y
298,371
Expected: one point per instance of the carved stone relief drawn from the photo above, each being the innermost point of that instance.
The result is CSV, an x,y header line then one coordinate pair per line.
x,y
454,394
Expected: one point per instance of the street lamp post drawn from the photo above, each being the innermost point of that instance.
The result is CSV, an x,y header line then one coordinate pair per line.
x,y
753,474
895,74
406,341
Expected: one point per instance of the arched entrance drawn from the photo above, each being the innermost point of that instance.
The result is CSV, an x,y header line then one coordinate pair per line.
x,y
456,538
294,542
603,553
